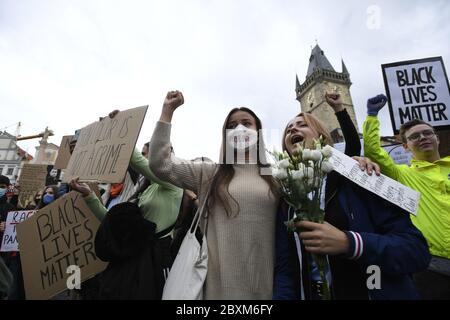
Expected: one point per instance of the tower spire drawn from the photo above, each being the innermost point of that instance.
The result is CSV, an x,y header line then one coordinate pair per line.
x,y
318,60
344,68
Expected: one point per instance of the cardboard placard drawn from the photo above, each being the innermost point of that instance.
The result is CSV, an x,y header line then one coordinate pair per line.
x,y
418,89
58,236
63,153
9,241
32,179
103,150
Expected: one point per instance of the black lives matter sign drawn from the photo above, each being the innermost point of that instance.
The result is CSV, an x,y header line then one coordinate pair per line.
x,y
418,89
56,237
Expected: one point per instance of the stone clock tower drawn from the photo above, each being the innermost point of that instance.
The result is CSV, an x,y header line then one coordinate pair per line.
x,y
321,78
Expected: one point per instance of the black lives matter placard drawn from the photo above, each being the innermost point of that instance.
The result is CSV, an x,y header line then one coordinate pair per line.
x,y
58,236
104,148
418,89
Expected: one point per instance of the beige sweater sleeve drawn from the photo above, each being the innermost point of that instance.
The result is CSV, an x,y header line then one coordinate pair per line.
x,y
185,174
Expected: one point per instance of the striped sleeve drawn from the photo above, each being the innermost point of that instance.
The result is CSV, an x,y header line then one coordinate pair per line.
x,y
356,248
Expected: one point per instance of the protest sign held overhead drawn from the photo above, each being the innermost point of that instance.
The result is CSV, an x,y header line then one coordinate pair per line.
x,y
418,89
104,148
32,179
63,153
58,236
9,241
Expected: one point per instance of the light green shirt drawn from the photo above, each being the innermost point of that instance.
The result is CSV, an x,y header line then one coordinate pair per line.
x,y
160,202
432,180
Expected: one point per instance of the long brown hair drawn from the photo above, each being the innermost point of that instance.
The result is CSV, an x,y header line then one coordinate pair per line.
x,y
41,203
314,123
222,178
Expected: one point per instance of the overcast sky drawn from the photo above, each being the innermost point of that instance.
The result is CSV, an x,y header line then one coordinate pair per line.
x,y
65,63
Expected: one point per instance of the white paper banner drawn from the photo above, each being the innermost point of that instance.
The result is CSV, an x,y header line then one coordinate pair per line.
x,y
383,186
9,241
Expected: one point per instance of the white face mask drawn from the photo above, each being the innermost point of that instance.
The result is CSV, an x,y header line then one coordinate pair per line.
x,y
241,138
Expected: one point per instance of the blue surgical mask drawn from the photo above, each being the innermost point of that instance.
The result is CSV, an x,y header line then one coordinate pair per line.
x,y
48,198
2,192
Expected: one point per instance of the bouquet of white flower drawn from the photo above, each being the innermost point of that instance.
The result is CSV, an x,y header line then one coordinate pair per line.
x,y
301,176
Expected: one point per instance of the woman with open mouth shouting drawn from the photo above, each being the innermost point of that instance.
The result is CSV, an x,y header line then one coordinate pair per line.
x,y
361,233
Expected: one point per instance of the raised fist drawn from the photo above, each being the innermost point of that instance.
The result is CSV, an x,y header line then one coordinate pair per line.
x,y
173,100
375,104
334,100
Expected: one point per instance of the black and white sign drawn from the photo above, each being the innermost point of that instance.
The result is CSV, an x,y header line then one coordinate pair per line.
x,y
418,89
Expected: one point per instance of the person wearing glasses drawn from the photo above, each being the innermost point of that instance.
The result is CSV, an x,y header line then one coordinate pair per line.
x,y
429,173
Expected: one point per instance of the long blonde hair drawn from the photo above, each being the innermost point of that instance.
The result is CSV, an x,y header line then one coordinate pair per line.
x,y
314,123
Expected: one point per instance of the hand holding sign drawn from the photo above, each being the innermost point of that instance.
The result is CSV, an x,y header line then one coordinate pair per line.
x,y
112,114
82,188
375,104
368,165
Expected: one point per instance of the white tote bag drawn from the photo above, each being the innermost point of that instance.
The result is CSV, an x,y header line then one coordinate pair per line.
x,y
188,272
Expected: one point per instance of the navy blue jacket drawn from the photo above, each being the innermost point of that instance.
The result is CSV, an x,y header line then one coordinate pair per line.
x,y
389,239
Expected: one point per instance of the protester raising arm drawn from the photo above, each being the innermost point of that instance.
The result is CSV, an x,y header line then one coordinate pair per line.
x,y
182,173
140,164
351,137
371,134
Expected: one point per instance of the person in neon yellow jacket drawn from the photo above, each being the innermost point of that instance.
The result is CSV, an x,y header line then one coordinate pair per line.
x,y
429,173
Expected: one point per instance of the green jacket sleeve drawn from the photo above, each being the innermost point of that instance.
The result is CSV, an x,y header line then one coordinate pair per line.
x,y
140,164
96,206
374,151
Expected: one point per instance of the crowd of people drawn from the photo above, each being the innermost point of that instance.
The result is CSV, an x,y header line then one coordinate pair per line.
x,y
251,253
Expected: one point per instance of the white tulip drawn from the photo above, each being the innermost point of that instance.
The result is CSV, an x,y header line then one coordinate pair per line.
x,y
283,164
316,155
280,174
326,166
306,154
327,151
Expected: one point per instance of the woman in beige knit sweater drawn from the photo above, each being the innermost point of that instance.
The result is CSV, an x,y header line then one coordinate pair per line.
x,y
241,206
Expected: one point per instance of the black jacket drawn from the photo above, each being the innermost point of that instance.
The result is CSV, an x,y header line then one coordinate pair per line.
x,y
127,241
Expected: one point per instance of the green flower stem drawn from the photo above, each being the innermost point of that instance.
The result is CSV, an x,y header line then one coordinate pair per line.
x,y
321,262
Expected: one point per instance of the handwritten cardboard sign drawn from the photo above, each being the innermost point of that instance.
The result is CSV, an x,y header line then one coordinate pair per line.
x,y
32,179
58,236
63,158
104,148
